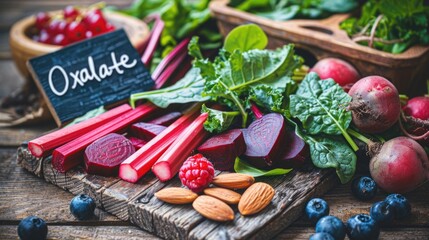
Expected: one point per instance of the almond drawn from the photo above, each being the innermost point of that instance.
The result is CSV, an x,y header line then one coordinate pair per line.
x,y
213,208
223,194
176,195
255,198
233,180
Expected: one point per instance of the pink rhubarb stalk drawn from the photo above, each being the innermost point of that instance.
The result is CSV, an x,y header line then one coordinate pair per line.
x,y
153,41
138,164
70,154
170,162
44,145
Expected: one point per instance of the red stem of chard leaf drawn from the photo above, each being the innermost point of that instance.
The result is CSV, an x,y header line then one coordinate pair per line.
x,y
155,35
165,75
256,111
70,154
43,146
174,54
138,164
170,162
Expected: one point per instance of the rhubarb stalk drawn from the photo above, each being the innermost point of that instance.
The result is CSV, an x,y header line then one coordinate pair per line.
x,y
157,29
70,154
43,146
138,164
170,162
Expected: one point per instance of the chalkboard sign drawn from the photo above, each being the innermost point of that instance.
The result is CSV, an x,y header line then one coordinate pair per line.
x,y
97,72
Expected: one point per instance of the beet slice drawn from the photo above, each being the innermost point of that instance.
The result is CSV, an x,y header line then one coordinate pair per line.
x,y
167,119
295,154
137,142
146,131
264,138
103,156
222,149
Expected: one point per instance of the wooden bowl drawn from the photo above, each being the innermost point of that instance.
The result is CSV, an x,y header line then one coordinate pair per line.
x,y
24,48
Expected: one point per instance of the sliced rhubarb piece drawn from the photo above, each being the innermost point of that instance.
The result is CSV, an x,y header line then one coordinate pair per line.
x,y
103,156
137,142
70,154
167,119
138,164
264,138
170,162
146,131
43,146
223,149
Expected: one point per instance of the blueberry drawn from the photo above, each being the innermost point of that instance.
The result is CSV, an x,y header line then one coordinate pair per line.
x,y
333,226
362,226
316,209
364,188
82,207
321,236
381,212
33,228
400,204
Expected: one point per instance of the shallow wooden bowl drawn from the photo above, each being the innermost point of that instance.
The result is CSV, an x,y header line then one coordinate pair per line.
x,y
24,48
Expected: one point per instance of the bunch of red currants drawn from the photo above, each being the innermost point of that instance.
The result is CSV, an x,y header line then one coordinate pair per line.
x,y
70,26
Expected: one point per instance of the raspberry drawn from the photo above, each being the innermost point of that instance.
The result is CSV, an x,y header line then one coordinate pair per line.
x,y
196,173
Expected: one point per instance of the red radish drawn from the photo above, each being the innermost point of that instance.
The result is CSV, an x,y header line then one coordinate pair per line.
x,y
103,156
167,119
418,107
146,131
222,149
43,146
375,106
137,142
399,165
341,71
264,140
296,152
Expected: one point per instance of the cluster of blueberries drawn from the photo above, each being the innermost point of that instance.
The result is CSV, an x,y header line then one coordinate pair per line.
x,y
360,226
34,228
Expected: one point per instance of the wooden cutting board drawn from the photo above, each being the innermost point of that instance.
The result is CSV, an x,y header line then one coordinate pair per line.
x,y
136,202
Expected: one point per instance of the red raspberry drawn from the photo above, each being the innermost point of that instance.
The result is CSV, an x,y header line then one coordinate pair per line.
x,y
196,173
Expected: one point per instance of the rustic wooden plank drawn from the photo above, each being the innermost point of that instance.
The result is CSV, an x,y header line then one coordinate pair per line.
x,y
291,195
85,232
94,186
29,162
14,137
115,198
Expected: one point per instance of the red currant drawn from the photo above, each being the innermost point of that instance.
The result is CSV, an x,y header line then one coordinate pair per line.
x,y
89,34
60,39
42,20
53,28
109,27
76,31
44,37
70,13
96,22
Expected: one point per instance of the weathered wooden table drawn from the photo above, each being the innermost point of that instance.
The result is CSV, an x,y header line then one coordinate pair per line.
x,y
23,194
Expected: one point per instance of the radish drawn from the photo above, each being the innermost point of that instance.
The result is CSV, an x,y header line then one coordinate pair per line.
x,y
375,105
399,165
417,121
341,71
418,107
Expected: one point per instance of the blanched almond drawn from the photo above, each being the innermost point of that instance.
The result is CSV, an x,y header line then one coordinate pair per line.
x,y
213,208
223,194
176,195
233,180
255,198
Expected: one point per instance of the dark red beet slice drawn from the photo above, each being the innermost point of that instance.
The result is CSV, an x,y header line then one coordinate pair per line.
x,y
295,153
103,156
222,149
264,138
137,142
167,119
146,131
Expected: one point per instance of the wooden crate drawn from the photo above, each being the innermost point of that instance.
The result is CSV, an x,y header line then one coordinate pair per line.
x,y
322,38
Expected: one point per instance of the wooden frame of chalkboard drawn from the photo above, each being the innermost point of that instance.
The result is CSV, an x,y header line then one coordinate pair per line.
x,y
100,71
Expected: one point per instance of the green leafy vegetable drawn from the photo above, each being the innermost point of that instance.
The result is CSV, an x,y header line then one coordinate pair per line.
x,y
245,168
390,25
245,37
218,121
320,106
186,90
281,10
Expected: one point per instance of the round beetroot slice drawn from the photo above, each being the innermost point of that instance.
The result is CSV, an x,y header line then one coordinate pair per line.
x,y
103,156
